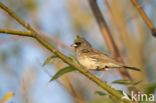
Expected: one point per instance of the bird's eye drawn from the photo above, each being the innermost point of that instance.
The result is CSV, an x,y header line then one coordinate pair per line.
x,y
78,43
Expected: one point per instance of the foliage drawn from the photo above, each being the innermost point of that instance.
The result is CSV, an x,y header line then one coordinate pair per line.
x,y
48,60
7,96
62,72
134,46
126,82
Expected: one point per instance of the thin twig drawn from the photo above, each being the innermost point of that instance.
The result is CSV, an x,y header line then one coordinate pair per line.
x,y
63,57
14,32
53,39
43,35
145,17
108,37
18,19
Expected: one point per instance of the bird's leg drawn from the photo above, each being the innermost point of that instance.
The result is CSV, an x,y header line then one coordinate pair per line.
x,y
104,69
101,76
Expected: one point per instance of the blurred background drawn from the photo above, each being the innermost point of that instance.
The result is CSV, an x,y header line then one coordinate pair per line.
x,y
59,21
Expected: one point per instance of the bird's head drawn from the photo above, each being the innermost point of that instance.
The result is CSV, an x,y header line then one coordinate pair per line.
x,y
81,43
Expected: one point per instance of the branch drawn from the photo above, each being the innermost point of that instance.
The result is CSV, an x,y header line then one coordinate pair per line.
x,y
145,17
108,37
30,34
53,39
13,32
18,19
62,56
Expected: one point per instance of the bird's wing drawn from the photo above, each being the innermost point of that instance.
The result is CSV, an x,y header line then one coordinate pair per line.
x,y
101,58
100,61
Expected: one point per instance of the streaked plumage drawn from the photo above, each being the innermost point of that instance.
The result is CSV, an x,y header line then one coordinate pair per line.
x,y
91,58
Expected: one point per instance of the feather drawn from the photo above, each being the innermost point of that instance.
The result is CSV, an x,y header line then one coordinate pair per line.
x,y
132,68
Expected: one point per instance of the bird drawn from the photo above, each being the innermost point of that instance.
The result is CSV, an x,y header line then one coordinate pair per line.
x,y
93,59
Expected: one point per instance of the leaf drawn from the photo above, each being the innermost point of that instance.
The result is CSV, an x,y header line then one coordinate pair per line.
x,y
136,83
47,61
126,82
150,88
70,58
101,93
7,96
74,58
61,72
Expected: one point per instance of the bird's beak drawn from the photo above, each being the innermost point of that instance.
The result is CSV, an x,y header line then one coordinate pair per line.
x,y
73,45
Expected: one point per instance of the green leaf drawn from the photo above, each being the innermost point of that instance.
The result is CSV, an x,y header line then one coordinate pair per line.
x,y
74,58
150,88
136,83
121,82
70,58
126,82
47,61
61,72
101,93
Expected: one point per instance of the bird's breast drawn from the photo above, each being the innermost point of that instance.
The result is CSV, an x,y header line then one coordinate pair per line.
x,y
87,62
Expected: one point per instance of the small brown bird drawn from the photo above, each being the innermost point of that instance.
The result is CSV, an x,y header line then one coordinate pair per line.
x,y
93,59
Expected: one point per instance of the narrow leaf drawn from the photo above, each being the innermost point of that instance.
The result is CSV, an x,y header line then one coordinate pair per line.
x,y
61,72
101,93
126,82
74,58
150,88
136,83
47,61
121,82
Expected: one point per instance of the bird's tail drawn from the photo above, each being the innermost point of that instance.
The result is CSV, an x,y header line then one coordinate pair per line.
x,y
132,68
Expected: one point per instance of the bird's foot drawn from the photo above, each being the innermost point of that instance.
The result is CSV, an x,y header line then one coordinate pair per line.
x,y
86,70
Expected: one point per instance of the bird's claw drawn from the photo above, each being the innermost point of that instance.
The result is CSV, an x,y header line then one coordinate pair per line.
x,y
86,70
